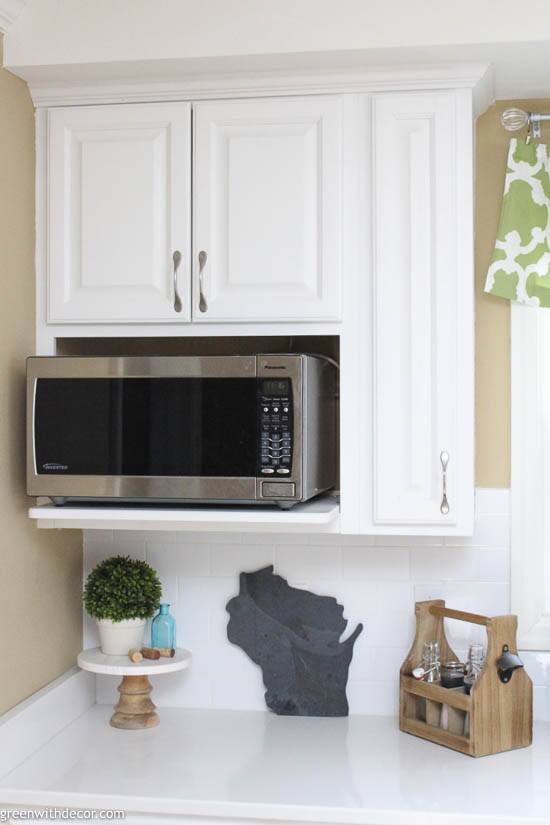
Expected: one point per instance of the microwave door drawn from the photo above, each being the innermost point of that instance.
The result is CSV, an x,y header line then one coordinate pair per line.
x,y
183,432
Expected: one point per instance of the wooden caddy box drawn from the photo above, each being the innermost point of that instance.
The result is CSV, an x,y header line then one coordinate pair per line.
x,y
500,713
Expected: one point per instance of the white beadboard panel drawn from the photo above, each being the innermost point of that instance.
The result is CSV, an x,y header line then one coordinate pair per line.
x,y
377,584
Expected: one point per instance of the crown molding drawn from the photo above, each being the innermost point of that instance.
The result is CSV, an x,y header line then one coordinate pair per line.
x,y
92,85
9,10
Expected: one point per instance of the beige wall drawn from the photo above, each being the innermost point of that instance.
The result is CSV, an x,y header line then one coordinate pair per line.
x,y
492,314
40,570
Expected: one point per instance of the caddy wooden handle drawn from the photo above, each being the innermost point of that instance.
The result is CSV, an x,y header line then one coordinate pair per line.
x,y
447,613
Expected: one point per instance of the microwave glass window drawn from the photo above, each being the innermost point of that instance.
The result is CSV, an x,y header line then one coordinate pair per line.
x,y
146,426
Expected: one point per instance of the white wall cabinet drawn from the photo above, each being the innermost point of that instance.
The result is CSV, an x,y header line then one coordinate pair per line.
x,y
352,210
419,391
119,182
267,209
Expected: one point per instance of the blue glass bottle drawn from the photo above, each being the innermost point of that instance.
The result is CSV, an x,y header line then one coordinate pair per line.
x,y
163,628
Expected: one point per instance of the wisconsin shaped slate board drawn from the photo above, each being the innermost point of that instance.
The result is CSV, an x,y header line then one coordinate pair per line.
x,y
294,636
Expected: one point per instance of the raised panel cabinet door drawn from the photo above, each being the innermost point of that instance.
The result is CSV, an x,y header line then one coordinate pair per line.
x,y
422,306
267,201
119,213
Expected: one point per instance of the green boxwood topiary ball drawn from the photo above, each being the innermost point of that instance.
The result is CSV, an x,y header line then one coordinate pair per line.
x,y
122,588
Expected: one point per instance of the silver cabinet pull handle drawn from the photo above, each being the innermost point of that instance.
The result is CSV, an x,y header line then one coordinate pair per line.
x,y
203,257
176,257
444,458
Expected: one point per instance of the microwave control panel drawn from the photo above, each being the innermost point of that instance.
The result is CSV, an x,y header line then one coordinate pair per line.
x,y
275,418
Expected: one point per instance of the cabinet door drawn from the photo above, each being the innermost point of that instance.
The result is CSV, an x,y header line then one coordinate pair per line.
x,y
119,208
422,307
267,210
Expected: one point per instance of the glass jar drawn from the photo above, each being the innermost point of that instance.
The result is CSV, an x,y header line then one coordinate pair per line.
x,y
163,628
474,665
452,674
431,661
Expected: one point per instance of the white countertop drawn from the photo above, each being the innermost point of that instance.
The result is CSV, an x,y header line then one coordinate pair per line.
x,y
252,764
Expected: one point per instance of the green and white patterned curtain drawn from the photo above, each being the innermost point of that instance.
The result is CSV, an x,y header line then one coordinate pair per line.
x,y
520,266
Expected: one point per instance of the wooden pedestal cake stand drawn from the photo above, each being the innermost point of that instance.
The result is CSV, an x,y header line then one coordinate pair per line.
x,y
134,710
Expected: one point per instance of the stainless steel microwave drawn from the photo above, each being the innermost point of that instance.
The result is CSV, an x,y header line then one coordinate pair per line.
x,y
252,429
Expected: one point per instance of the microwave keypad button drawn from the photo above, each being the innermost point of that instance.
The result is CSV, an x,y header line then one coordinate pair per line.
x,y
275,448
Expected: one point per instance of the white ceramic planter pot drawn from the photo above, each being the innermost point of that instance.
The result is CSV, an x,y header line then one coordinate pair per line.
x,y
117,638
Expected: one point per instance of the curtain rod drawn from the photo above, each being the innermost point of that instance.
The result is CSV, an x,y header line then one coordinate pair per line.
x,y
515,119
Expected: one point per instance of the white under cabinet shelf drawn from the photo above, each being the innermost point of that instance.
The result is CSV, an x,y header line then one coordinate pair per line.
x,y
319,515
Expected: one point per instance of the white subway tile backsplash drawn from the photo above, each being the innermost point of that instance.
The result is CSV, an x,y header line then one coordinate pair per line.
x,y
375,563
308,562
373,698
129,543
408,541
494,564
442,563
377,579
182,559
541,703
228,558
491,530
376,664
193,613
492,500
